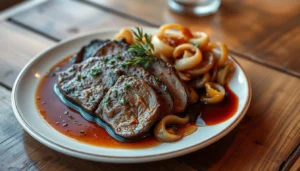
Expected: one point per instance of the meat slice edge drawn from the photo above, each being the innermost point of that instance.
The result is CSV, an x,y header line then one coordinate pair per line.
x,y
169,76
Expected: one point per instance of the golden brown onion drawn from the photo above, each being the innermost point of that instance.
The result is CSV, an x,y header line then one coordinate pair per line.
x,y
222,74
222,53
214,74
189,130
204,66
187,61
185,31
125,34
200,81
215,93
162,134
199,38
161,48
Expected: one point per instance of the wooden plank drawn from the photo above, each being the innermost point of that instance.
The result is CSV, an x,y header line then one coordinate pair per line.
x,y
24,5
17,47
19,151
61,19
296,166
262,30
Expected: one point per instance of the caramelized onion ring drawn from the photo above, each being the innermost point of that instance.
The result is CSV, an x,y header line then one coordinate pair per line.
x,y
200,69
215,93
222,53
214,74
222,73
162,134
125,34
185,31
161,48
200,81
187,62
189,130
199,38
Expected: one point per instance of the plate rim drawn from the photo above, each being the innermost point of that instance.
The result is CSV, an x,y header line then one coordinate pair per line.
x,y
100,157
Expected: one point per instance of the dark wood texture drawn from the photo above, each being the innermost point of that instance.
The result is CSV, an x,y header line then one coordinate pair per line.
x,y
267,32
266,139
17,47
61,19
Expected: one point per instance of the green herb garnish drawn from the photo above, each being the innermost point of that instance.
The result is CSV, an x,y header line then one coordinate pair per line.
x,y
95,71
118,56
143,61
127,85
123,101
104,59
111,62
81,131
106,100
157,78
144,50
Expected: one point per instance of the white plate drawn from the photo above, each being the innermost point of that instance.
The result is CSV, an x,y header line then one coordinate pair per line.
x,y
23,104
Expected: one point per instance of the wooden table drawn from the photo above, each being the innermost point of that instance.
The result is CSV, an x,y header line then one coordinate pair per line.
x,y
264,36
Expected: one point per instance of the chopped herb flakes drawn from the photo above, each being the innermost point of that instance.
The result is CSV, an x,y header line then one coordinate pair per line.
x,y
157,78
123,101
82,131
118,56
104,59
115,94
137,60
106,100
111,62
95,71
127,85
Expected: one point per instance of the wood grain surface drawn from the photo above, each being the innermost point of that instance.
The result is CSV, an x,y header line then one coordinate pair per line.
x,y
61,19
266,139
17,47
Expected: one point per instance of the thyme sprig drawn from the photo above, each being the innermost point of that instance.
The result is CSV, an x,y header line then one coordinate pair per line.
x,y
143,49
138,60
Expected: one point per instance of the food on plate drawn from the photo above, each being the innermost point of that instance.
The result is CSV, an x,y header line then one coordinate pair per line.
x,y
140,85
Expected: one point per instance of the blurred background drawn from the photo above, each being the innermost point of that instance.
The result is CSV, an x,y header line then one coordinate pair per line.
x,y
4,4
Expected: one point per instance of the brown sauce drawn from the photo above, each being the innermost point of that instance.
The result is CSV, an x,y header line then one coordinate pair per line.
x,y
71,124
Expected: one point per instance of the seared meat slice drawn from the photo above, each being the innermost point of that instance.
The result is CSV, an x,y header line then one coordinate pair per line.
x,y
139,72
88,50
130,107
100,48
168,76
87,83
112,47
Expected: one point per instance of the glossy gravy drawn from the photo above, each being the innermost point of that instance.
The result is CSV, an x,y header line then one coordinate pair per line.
x,y
71,124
